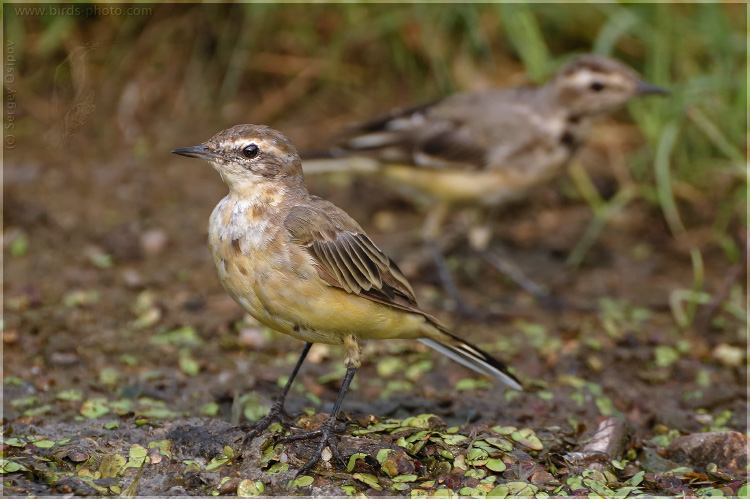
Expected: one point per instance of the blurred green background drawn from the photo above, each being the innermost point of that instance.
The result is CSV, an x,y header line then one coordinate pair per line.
x,y
134,81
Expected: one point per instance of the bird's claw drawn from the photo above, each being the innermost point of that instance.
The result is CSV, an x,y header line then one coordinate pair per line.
x,y
277,414
327,435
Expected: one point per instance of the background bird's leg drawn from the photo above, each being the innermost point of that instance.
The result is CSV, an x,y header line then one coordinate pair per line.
x,y
433,228
326,432
277,412
498,258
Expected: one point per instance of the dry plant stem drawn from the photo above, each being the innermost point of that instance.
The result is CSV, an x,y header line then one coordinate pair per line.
x,y
277,412
706,314
610,439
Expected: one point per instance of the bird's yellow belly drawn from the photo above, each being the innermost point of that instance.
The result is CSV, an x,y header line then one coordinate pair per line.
x,y
306,308
454,186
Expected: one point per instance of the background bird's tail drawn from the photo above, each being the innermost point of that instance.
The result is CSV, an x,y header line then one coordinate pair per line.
x,y
317,162
472,357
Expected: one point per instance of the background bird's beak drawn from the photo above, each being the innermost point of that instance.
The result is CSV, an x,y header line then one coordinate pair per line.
x,y
644,87
202,152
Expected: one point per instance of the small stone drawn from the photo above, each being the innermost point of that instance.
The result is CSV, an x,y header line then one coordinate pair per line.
x,y
10,336
78,456
230,486
153,241
252,338
728,355
131,277
326,455
726,449
541,477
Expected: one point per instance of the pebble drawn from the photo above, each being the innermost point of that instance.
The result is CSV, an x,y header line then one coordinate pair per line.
x,y
726,449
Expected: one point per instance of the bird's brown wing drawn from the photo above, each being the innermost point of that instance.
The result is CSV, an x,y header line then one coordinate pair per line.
x,y
345,257
422,135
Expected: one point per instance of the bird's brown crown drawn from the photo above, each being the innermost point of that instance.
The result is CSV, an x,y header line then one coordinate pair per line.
x,y
250,155
592,84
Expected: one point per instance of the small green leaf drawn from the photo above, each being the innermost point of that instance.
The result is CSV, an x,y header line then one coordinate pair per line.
x,y
165,447
94,408
210,409
527,438
368,479
19,245
476,473
111,465
188,364
501,443
405,478
303,481
349,490
389,366
495,465
353,460
72,395
12,466
460,462
637,479
216,463
477,457
390,467
665,355
136,456
278,468
249,488
473,384
453,439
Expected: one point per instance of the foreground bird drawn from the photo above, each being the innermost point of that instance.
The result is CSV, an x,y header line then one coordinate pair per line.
x,y
303,267
491,147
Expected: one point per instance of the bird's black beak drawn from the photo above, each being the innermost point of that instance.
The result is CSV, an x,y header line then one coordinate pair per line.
x,y
644,88
201,152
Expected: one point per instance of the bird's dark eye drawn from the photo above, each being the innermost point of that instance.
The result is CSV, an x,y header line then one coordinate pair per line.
x,y
251,151
597,86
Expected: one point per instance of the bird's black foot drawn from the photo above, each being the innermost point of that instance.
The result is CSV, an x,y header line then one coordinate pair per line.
x,y
277,414
326,436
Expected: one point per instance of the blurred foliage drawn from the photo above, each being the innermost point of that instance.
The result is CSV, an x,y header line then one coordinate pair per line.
x,y
132,78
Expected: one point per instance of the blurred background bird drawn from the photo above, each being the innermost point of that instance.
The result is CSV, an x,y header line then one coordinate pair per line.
x,y
487,148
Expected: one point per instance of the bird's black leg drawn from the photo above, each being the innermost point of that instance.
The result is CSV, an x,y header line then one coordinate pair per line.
x,y
326,432
277,412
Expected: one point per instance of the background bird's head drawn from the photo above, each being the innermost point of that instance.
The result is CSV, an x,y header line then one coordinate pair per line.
x,y
249,156
592,84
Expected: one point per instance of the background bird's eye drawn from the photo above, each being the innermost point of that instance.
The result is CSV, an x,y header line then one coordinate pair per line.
x,y
597,86
251,151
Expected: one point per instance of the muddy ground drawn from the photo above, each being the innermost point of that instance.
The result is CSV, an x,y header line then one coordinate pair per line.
x,y
127,369
118,340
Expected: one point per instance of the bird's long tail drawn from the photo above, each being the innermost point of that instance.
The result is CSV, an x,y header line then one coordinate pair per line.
x,y
472,357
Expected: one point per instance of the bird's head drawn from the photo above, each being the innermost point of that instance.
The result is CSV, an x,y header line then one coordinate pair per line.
x,y
249,156
593,84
